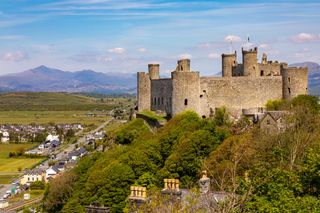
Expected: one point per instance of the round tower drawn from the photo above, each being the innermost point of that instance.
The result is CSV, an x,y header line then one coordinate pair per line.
x,y
294,81
228,62
143,91
250,62
154,71
183,65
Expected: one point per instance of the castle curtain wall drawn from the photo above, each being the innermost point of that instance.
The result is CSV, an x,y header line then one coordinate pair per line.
x,y
238,92
161,95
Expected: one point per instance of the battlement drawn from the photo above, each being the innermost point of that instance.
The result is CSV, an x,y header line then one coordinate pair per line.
x,y
183,65
229,54
154,70
253,50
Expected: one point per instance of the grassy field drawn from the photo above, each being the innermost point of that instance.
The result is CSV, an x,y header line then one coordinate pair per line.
x,y
45,101
14,164
45,117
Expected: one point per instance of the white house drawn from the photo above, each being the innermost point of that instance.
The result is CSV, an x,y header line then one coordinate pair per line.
x,y
52,137
51,173
5,137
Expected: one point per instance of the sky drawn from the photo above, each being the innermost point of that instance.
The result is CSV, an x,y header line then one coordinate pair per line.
x,y
123,36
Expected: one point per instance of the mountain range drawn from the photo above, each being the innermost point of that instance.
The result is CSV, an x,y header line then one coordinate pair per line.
x,y
47,79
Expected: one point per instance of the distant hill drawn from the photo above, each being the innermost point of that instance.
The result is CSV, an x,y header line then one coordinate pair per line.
x,y
45,79
314,76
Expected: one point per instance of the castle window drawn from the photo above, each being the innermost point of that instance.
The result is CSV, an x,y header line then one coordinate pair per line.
x,y
185,102
201,96
159,101
155,101
204,91
262,73
162,100
268,122
289,90
203,116
288,79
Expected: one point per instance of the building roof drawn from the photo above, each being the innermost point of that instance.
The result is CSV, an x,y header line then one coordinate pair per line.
x,y
33,172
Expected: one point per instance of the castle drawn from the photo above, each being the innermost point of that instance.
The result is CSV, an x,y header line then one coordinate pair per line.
x,y
243,88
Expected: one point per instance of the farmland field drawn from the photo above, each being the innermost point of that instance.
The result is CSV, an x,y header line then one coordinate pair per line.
x,y
45,117
10,166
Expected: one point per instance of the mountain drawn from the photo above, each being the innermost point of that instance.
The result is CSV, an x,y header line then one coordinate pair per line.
x,y
47,79
314,76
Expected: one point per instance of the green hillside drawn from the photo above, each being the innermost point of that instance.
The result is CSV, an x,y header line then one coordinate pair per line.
x,y
262,172
45,101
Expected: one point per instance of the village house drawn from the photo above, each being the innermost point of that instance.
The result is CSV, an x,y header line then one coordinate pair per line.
x,y
51,173
74,155
5,136
31,176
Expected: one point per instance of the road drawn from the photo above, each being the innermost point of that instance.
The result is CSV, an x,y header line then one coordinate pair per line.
x,y
81,140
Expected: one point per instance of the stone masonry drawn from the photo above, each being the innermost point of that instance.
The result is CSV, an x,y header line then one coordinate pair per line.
x,y
242,87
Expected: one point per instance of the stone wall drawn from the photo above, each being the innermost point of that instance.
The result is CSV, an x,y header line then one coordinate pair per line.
x,y
186,90
270,69
161,95
143,91
238,92
295,82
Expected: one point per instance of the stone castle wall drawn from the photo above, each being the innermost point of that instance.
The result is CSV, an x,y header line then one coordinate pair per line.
x,y
161,95
238,92
295,82
144,91
185,93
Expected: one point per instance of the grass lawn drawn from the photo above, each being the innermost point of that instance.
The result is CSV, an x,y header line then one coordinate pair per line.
x,y
153,115
45,117
7,178
13,164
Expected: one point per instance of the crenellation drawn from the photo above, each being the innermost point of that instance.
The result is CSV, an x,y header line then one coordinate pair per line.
x,y
242,86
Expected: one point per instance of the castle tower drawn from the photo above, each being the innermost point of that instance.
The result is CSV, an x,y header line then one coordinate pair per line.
x,y
264,59
250,62
143,91
294,81
185,88
183,65
154,71
228,62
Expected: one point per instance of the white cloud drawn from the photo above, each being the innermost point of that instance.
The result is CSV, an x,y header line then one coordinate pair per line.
x,y
104,59
248,45
15,56
142,50
305,37
232,38
11,37
263,46
214,55
117,50
185,56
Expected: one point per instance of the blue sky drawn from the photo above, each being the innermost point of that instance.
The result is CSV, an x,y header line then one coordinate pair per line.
x,y
125,35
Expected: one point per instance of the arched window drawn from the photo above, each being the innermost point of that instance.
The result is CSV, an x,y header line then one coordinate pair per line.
x,y
185,102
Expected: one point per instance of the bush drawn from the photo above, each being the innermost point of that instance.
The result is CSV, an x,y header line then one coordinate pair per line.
x,y
37,185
